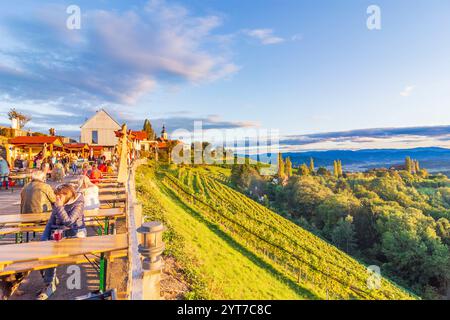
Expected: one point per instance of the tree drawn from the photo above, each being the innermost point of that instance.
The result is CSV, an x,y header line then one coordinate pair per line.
x,y
340,168
303,170
288,167
343,235
412,249
311,165
22,118
408,164
305,193
149,130
322,171
281,169
337,168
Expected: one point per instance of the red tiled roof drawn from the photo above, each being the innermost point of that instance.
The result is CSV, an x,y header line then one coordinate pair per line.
x,y
139,135
33,140
96,148
75,145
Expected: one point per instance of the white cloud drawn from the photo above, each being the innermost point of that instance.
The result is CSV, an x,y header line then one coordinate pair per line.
x,y
407,91
265,36
117,56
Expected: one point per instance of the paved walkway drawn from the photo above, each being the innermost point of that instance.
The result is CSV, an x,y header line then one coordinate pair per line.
x,y
9,201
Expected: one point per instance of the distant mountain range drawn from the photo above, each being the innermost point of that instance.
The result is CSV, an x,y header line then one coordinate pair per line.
x,y
435,160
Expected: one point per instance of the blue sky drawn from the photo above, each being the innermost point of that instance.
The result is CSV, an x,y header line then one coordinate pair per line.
x,y
302,67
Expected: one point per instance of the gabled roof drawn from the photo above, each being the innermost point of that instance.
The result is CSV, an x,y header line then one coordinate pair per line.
x,y
96,115
39,140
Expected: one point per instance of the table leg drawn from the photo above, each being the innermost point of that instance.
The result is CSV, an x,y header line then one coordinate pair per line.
x,y
106,228
102,273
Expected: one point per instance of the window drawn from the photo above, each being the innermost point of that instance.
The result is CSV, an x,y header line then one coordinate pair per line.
x,y
94,137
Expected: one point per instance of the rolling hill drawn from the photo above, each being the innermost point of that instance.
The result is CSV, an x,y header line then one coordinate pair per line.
x,y
231,247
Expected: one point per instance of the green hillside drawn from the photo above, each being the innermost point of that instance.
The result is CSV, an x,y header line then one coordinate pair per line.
x,y
231,247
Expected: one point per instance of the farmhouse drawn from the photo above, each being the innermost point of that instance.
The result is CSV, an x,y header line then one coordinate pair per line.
x,y
99,133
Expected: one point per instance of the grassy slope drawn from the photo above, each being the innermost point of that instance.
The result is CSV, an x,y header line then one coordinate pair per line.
x,y
219,261
217,266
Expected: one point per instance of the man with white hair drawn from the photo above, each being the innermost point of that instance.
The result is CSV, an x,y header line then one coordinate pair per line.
x,y
37,196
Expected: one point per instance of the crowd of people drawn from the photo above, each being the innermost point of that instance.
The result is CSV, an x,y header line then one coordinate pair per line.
x,y
56,167
67,202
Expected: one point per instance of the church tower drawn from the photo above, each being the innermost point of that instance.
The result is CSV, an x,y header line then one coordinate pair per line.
x,y
164,133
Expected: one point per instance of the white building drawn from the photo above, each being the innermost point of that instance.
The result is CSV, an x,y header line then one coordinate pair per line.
x,y
99,130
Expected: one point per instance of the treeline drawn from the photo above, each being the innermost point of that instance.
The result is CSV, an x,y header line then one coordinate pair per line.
x,y
397,219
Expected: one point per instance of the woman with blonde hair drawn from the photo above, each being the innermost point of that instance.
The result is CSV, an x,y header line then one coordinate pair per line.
x,y
90,193
67,219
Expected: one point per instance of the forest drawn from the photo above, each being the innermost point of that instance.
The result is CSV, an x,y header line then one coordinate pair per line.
x,y
397,218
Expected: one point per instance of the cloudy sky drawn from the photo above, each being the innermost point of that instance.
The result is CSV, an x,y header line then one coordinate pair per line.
x,y
302,67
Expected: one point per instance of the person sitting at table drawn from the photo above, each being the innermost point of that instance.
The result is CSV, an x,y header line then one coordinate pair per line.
x,y
67,216
4,173
86,169
58,172
90,193
95,174
37,196
102,167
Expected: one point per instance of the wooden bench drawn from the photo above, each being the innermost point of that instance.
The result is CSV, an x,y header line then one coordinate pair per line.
x,y
22,267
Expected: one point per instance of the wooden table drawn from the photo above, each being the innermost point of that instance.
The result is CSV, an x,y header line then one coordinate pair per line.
x,y
25,223
24,177
53,250
35,218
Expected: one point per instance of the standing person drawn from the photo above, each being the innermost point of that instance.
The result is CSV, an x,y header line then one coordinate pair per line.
x,y
4,173
74,167
95,174
68,217
37,196
18,163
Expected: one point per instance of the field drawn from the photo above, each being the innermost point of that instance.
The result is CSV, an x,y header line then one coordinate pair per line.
x,y
231,247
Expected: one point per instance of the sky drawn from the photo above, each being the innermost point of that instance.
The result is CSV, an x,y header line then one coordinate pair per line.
x,y
302,67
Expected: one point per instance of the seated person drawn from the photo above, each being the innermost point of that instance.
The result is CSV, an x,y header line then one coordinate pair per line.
x,y
86,169
102,167
37,196
90,193
58,172
67,216
95,175
4,173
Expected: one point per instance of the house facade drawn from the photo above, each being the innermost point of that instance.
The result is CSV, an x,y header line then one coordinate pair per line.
x,y
99,130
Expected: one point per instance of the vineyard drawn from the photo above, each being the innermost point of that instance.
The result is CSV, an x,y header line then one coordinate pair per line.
x,y
298,255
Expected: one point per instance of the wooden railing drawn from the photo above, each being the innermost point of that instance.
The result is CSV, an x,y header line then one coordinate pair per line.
x,y
145,247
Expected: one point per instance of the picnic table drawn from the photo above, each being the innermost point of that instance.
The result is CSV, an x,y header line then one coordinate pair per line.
x,y
40,253
17,223
112,199
21,177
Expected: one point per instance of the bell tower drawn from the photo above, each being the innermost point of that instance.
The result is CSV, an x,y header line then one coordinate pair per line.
x,y
164,133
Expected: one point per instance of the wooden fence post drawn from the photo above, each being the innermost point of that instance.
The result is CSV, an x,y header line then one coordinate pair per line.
x,y
151,247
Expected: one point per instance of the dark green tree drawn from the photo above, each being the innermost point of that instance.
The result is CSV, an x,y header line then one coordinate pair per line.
x,y
343,235
149,130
